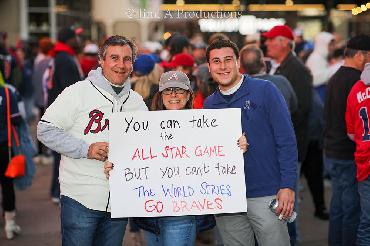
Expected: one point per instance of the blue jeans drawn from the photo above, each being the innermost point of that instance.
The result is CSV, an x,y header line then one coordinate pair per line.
x,y
179,231
363,233
85,227
28,107
345,203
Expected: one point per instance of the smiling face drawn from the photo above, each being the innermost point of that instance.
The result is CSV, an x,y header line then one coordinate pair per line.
x,y
117,64
224,67
175,98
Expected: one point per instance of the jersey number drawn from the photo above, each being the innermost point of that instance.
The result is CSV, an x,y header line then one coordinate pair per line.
x,y
365,121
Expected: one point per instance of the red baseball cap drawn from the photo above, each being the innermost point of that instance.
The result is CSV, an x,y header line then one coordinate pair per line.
x,y
281,30
182,59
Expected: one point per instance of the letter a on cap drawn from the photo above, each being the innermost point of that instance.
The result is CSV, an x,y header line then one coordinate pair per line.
x,y
173,77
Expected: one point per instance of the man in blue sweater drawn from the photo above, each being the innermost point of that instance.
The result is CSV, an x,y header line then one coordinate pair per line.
x,y
271,160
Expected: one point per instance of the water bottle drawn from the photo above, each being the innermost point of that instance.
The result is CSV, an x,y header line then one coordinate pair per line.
x,y
273,206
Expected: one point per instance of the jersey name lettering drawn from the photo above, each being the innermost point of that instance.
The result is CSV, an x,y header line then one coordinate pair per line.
x,y
361,96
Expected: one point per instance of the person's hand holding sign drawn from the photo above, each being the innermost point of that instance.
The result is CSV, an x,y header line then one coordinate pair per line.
x,y
108,166
243,143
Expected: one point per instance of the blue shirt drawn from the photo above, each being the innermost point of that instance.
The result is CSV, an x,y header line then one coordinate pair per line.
x,y
271,161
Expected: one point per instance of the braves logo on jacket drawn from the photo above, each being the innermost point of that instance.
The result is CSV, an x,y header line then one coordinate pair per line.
x,y
95,123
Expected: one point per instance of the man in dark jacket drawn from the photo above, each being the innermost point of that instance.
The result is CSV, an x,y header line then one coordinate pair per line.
x,y
251,60
67,69
339,149
66,72
280,45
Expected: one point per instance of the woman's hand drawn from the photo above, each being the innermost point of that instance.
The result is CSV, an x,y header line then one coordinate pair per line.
x,y
243,143
108,166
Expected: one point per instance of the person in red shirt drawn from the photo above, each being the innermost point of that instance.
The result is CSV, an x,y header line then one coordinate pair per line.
x,y
204,85
357,120
89,59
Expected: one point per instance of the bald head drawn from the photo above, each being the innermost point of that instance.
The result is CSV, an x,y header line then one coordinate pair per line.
x,y
251,59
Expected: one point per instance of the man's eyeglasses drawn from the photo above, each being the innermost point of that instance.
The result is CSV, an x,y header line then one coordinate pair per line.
x,y
169,91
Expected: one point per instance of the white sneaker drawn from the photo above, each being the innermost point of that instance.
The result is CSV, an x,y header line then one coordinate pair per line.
x,y
11,229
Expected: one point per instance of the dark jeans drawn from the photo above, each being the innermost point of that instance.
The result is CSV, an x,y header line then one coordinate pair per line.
x,y
363,233
55,187
85,227
7,187
133,226
345,204
179,231
312,169
293,228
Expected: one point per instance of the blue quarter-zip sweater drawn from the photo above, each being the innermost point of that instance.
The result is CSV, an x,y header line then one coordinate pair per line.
x,y
271,161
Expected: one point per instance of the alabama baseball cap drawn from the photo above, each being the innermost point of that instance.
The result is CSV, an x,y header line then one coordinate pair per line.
x,y
280,30
359,42
175,79
181,59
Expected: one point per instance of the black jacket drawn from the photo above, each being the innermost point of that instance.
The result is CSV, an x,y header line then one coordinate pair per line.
x,y
65,74
336,142
301,80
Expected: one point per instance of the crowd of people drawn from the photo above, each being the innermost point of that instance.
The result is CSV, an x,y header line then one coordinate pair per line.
x,y
294,106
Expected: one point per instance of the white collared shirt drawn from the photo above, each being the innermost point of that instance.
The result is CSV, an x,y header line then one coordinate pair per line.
x,y
233,89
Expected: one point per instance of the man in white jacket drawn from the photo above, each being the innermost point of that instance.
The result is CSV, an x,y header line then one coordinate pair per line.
x,y
76,125
318,62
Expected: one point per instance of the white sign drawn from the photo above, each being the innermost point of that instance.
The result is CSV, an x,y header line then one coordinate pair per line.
x,y
176,162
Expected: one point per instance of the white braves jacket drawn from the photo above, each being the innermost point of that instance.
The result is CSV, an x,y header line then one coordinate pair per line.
x,y
77,118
